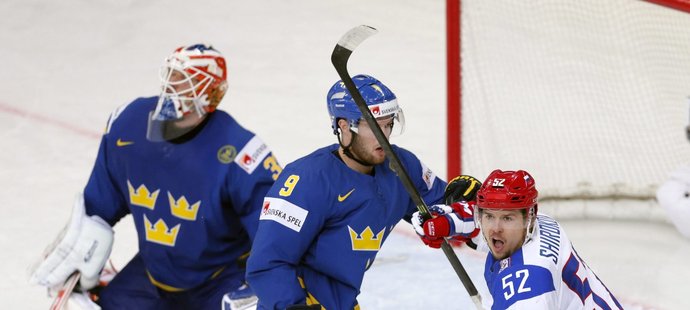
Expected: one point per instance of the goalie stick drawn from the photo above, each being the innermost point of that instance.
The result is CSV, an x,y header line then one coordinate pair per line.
x,y
340,56
64,291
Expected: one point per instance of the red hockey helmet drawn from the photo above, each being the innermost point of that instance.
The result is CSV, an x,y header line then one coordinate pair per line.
x,y
507,190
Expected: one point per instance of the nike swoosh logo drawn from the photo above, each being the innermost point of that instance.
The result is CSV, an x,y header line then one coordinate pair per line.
x,y
120,142
342,198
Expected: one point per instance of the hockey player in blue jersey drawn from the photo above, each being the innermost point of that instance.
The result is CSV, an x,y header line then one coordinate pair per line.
x,y
193,180
532,263
329,213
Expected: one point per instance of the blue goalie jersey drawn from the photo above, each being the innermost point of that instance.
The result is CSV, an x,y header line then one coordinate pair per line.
x,y
195,203
322,225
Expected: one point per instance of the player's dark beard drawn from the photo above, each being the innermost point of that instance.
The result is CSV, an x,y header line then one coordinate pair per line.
x,y
360,152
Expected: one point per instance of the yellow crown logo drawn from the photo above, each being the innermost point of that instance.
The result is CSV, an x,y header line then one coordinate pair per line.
x,y
366,241
158,233
182,209
141,196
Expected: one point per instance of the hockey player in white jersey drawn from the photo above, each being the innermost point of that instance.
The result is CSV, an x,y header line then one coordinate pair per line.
x,y
674,197
532,263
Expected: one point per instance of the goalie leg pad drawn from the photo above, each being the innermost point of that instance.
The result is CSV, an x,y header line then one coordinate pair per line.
x,y
84,245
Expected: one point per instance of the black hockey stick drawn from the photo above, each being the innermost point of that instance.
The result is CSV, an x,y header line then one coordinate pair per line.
x,y
341,54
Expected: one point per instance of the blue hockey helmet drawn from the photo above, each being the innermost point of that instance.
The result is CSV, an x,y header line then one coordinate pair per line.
x,y
378,97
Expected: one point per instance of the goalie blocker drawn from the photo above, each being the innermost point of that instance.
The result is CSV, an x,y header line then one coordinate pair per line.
x,y
84,245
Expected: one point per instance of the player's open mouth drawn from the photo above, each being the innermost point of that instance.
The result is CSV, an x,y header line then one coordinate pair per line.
x,y
498,244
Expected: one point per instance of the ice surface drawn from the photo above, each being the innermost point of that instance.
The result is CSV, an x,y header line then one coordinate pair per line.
x,y
67,64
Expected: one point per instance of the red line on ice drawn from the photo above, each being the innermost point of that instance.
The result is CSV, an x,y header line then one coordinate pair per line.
x,y
8,109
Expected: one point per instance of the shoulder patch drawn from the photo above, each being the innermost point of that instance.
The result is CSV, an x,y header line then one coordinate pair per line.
x,y
250,156
284,213
227,153
428,176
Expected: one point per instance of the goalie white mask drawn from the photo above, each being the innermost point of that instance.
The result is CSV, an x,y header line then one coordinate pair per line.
x,y
193,82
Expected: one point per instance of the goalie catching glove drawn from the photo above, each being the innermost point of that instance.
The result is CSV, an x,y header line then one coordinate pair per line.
x,y
84,245
456,220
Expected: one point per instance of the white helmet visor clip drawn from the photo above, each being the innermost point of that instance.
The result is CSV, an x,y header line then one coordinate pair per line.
x,y
389,116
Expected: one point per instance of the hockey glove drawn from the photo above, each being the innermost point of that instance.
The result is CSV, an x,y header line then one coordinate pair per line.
x,y
461,188
84,245
243,298
455,221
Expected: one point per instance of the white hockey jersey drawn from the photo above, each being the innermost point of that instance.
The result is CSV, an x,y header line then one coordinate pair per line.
x,y
546,273
674,197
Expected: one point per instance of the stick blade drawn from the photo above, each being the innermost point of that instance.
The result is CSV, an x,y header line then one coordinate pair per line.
x,y
355,36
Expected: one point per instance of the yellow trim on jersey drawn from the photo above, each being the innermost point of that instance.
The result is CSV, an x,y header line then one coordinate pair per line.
x,y
172,289
215,274
311,300
244,257
162,286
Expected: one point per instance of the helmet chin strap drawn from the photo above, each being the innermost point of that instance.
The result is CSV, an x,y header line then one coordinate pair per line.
x,y
346,149
531,221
